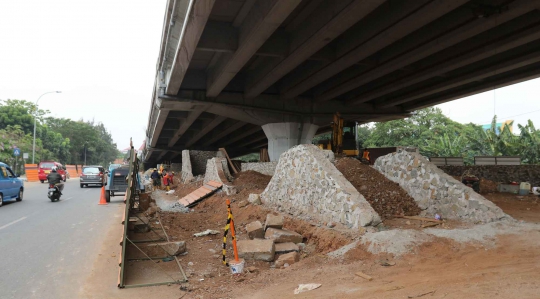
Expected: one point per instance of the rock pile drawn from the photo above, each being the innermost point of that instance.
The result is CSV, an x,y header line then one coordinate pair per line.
x,y
435,191
271,239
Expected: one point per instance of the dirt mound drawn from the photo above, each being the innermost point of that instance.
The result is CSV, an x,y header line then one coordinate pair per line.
x,y
251,179
385,196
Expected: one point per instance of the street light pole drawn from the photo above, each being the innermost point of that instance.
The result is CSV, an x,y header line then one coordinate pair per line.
x,y
35,118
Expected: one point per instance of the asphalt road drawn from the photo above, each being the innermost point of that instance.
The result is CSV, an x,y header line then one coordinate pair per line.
x,y
47,249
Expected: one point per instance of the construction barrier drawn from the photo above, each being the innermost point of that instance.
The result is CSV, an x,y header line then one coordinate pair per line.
x,y
31,171
72,171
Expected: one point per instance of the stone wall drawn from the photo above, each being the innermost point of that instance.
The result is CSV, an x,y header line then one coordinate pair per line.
x,y
307,185
215,172
199,159
187,173
268,168
434,191
499,173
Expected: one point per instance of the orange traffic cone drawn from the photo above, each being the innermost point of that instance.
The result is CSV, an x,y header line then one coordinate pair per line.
x,y
102,200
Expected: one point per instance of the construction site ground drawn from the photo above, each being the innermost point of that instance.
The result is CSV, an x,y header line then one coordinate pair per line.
x,y
502,266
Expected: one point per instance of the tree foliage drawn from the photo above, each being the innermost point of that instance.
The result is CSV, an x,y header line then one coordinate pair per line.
x,y
58,139
436,135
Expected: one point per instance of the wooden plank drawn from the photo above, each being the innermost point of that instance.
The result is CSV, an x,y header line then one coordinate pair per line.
x,y
364,276
211,188
184,202
228,159
430,224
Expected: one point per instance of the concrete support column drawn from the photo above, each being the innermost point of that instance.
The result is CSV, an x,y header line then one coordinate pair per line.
x,y
283,136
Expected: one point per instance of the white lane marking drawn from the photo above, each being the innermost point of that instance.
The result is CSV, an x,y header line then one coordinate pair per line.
x,y
12,222
68,199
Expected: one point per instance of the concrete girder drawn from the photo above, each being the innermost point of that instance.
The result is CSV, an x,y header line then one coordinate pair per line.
x,y
244,134
223,38
264,18
271,109
160,121
206,129
242,14
222,133
326,23
412,22
193,115
483,87
515,9
465,79
187,44
486,51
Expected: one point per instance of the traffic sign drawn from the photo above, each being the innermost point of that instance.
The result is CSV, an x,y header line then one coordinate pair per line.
x,y
16,152
25,155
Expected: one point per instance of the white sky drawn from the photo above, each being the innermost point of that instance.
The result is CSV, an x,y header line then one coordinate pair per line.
x,y
102,54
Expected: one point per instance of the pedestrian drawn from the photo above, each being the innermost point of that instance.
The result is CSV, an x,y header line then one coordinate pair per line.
x,y
155,179
166,180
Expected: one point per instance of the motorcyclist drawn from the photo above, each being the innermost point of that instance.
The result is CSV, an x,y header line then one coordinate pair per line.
x,y
54,178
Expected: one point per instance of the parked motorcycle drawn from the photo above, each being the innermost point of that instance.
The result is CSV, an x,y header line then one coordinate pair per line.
x,y
54,193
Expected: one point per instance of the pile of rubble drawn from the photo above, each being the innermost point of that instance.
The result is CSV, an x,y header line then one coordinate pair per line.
x,y
271,239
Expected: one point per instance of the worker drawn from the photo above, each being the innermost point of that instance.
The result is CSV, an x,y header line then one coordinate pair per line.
x,y
155,179
366,156
166,180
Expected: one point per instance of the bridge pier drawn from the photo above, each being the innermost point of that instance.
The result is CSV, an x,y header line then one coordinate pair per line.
x,y
283,136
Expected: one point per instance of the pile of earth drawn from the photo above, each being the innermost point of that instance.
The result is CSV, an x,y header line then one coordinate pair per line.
x,y
386,197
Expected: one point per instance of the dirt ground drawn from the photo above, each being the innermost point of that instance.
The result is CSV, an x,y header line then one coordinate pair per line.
x,y
386,197
437,269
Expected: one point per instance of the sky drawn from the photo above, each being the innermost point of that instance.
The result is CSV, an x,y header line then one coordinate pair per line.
x,y
102,55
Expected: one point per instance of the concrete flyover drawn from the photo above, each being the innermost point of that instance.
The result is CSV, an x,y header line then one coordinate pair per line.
x,y
247,74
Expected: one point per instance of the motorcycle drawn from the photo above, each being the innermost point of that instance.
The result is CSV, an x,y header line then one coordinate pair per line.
x,y
54,193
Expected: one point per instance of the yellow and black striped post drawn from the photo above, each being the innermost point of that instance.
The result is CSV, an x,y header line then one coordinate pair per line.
x,y
229,225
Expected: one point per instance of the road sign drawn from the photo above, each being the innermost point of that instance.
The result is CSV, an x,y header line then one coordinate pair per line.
x,y
25,156
16,152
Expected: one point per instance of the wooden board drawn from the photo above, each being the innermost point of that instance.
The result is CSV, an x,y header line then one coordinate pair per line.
x,y
228,160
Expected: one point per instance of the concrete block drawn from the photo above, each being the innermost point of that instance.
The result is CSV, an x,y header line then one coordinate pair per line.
x,y
286,247
255,199
255,230
283,236
287,258
166,248
273,221
257,249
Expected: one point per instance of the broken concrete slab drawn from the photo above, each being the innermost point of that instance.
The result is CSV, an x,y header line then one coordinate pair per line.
x,y
167,248
283,236
256,249
255,230
287,258
255,199
286,247
273,221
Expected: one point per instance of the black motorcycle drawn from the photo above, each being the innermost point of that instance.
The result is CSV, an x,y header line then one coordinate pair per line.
x,y
54,193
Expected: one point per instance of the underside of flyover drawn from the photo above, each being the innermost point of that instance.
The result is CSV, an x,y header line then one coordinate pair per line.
x,y
233,66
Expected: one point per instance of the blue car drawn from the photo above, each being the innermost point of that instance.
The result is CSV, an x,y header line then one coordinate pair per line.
x,y
11,187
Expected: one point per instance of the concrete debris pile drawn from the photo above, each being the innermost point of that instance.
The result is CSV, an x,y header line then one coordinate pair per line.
x,y
436,192
271,239
385,196
308,186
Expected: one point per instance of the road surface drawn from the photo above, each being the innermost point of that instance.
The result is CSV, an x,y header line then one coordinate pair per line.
x,y
48,248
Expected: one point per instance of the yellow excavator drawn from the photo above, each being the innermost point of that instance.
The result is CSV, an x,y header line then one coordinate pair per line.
x,y
344,139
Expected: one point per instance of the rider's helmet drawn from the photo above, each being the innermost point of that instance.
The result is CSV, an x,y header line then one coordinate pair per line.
x,y
53,169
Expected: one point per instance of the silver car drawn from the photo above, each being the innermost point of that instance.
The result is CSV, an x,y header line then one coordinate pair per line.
x,y
92,175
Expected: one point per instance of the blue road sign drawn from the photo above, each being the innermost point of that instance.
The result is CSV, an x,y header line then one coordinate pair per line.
x,y
16,152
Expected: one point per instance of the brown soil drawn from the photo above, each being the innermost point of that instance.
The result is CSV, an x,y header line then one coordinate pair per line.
x,y
526,208
248,182
386,197
205,252
487,186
